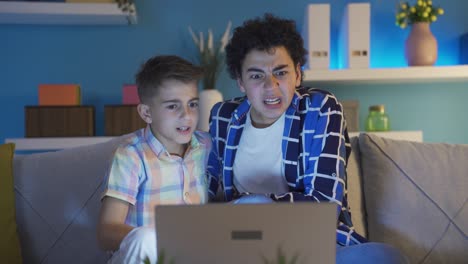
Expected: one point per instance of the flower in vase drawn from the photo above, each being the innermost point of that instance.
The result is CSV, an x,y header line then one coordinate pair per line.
x,y
421,11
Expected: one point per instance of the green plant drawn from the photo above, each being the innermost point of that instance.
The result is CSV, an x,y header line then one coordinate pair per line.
x,y
281,258
211,54
126,6
422,11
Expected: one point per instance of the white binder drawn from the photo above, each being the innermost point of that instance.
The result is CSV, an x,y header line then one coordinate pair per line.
x,y
316,35
354,38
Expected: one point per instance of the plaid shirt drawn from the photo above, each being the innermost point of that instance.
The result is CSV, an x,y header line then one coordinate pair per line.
x,y
144,174
315,149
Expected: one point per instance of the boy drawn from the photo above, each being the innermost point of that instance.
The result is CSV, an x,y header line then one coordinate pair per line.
x,y
163,163
296,135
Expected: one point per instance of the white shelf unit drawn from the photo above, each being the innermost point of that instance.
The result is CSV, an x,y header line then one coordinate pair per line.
x,y
418,74
48,13
52,143
37,144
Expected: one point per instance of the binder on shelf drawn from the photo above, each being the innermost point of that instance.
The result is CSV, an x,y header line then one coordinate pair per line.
x,y
316,35
354,36
59,94
130,95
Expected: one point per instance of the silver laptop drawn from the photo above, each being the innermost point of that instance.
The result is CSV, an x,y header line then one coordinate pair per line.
x,y
247,233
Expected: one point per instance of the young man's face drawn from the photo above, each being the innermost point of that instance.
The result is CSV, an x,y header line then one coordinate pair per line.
x,y
269,79
173,114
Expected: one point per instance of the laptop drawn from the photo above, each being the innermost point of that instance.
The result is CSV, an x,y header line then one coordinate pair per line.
x,y
247,233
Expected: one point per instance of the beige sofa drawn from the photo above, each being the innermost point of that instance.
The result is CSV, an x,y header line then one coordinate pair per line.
x,y
412,195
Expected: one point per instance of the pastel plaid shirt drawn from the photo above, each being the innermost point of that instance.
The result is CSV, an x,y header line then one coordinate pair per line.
x,y
144,174
315,150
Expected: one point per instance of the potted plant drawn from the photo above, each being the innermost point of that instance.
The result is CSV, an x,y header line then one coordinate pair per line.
x,y
210,56
421,45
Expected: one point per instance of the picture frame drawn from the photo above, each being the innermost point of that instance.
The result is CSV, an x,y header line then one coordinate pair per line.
x,y
351,113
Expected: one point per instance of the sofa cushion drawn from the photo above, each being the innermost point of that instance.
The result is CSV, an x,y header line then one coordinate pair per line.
x,y
416,197
57,196
9,242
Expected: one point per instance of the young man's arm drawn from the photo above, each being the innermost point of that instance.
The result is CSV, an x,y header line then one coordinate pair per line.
x,y
214,168
327,154
111,228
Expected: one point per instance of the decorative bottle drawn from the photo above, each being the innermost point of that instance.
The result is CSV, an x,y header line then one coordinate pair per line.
x,y
377,120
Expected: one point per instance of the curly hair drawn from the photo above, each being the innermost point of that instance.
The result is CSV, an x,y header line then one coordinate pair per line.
x,y
158,69
264,34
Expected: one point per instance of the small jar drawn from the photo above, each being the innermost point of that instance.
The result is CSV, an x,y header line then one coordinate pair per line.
x,y
377,120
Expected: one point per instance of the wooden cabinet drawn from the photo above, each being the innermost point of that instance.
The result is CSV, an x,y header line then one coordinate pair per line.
x,y
59,121
121,119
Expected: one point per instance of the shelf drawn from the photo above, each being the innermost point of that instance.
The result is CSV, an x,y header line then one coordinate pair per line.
x,y
46,143
417,74
16,12
23,144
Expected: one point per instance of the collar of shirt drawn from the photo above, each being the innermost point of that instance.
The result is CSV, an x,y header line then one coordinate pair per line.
x,y
159,149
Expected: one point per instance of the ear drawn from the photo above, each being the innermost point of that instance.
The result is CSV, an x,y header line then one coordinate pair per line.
x,y
144,112
240,84
298,75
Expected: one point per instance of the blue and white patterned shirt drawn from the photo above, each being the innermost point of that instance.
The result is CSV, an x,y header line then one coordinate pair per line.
x,y
315,149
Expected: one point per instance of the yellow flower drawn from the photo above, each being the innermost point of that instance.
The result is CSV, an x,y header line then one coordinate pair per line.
x,y
404,6
402,15
403,25
428,9
420,3
429,2
425,14
433,18
413,10
440,11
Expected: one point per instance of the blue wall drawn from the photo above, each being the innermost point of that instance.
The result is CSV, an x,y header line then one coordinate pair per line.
x,y
102,58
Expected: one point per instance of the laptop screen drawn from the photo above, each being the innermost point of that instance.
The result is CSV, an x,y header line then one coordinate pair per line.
x,y
247,233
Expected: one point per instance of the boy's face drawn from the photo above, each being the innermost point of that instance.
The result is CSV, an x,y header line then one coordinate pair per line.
x,y
173,114
269,79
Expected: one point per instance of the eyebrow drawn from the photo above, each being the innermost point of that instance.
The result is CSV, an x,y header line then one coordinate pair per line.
x,y
279,67
178,101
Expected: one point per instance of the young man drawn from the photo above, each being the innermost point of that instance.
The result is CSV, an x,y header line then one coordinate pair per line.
x,y
164,163
282,141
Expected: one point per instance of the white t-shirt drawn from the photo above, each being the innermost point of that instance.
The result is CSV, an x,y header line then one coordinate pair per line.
x,y
258,167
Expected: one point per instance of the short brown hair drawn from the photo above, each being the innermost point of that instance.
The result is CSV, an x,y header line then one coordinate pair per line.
x,y
158,69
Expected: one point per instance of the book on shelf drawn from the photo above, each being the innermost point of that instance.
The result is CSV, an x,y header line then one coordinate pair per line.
x,y
59,94
316,35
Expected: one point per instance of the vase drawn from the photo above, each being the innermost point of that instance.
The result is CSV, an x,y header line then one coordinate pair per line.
x,y
208,98
421,46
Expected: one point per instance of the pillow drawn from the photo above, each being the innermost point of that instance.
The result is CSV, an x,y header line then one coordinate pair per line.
x,y
416,197
9,242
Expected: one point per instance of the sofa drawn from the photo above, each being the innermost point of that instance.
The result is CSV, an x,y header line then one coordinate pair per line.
x,y
409,194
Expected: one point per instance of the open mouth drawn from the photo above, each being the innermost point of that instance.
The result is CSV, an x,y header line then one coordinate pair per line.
x,y
272,101
183,129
